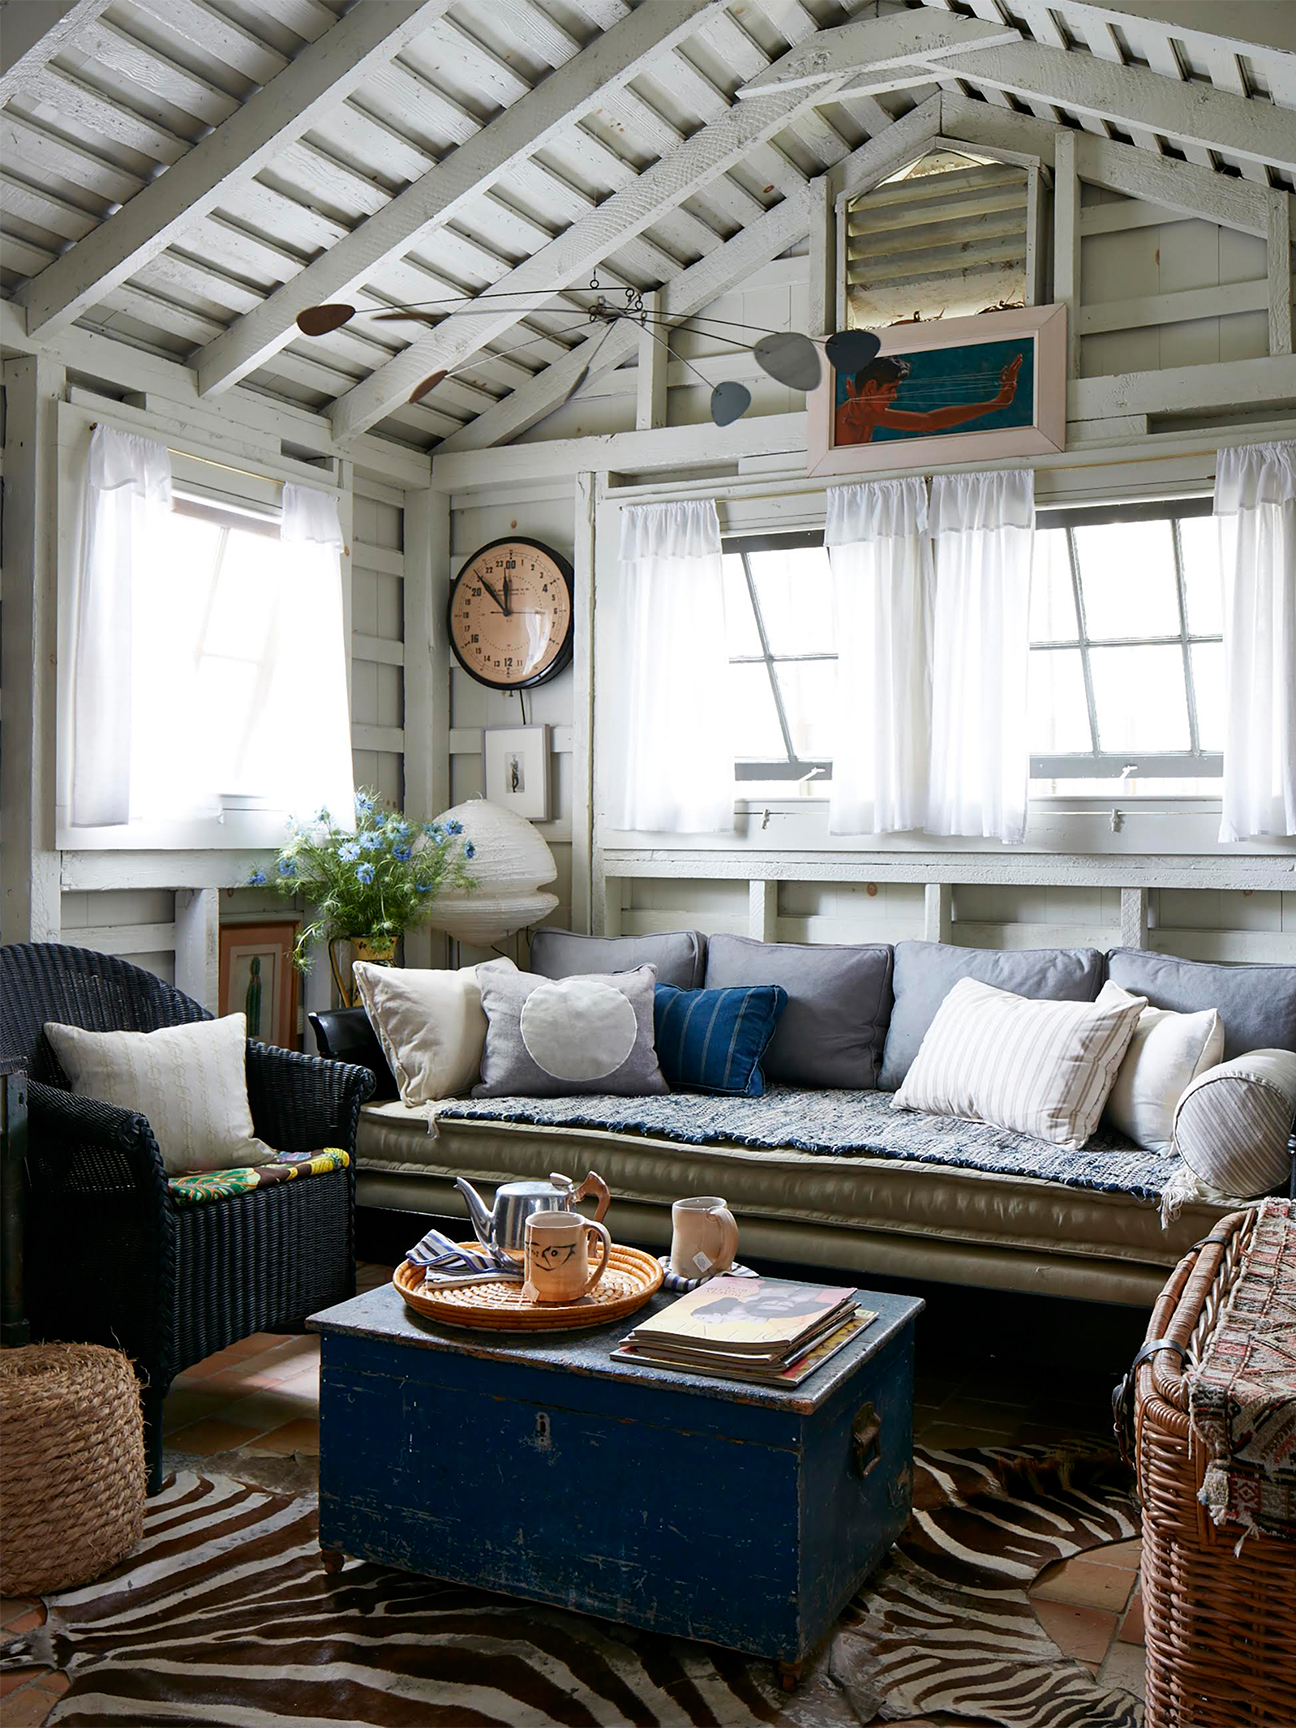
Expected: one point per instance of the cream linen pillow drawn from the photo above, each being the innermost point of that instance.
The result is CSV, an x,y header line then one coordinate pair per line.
x,y
1039,1068
1166,1052
189,1081
431,1025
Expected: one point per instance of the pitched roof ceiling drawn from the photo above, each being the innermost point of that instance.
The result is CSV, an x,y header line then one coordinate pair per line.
x,y
186,175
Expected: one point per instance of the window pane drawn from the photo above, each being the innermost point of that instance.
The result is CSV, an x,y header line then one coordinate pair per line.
x,y
795,593
1059,713
246,587
1053,613
740,621
756,731
1140,699
809,689
1128,580
1203,578
1208,691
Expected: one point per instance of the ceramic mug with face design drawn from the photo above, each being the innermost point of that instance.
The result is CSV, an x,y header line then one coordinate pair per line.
x,y
558,1256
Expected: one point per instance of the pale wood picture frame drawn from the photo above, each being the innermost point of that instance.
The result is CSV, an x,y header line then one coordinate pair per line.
x,y
264,951
515,769
1044,327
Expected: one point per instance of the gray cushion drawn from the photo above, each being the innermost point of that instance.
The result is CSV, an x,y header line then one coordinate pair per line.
x,y
926,972
678,955
839,1001
552,1038
1256,1003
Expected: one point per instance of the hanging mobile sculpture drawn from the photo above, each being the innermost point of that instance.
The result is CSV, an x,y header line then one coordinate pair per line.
x,y
785,355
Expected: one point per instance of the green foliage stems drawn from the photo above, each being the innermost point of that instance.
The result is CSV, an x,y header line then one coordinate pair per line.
x,y
375,881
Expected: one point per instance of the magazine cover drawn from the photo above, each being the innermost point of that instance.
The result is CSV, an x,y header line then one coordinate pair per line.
x,y
759,1372
765,1315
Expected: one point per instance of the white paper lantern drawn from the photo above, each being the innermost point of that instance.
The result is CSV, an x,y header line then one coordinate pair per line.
x,y
510,862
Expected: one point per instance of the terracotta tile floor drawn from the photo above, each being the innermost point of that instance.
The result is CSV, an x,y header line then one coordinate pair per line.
x,y
260,1397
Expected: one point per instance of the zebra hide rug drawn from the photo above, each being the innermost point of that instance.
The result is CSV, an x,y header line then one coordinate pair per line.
x,y
223,1615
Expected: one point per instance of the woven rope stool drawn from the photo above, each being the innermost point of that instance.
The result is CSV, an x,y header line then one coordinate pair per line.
x,y
71,1465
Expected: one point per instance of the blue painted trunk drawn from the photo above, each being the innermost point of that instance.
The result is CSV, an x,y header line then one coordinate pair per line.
x,y
709,1509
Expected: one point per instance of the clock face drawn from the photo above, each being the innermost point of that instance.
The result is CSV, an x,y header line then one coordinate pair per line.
x,y
511,614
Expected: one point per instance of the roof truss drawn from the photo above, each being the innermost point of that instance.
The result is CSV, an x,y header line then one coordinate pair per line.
x,y
609,62
321,76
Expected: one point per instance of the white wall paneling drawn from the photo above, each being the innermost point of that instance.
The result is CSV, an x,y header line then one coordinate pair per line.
x,y
29,898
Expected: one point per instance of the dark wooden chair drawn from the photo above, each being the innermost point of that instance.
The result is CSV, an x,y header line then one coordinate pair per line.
x,y
109,1257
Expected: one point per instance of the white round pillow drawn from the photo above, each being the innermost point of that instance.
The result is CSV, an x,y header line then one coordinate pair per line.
x,y
1233,1123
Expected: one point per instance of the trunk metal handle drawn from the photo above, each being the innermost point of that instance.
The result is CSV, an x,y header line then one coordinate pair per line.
x,y
866,1439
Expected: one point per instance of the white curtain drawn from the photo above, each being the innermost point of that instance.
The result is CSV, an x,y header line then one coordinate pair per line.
x,y
1255,508
300,732
120,701
880,554
982,528
671,755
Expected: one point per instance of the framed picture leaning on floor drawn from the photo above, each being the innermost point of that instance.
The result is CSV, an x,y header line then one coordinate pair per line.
x,y
952,390
258,978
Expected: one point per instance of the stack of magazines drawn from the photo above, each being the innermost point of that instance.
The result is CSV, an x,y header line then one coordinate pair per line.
x,y
765,1330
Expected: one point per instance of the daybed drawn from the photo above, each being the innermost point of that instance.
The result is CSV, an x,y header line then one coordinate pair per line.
x,y
836,1177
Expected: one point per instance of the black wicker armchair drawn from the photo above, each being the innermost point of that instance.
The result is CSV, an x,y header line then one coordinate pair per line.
x,y
110,1258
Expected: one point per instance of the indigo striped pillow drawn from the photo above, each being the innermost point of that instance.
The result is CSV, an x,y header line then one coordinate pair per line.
x,y
713,1040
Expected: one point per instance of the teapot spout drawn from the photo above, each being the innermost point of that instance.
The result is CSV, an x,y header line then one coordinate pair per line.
x,y
482,1221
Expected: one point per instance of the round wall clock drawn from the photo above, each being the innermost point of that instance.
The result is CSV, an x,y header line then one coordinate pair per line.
x,y
511,614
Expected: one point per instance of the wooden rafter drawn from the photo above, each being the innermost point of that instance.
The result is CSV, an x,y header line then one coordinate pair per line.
x,y
606,65
1131,96
702,158
876,43
696,287
24,55
321,76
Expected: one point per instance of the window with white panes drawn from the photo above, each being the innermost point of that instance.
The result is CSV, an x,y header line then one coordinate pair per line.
x,y
782,657
1126,660
1127,655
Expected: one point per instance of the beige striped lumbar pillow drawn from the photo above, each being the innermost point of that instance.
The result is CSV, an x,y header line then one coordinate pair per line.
x,y
1040,1068
1232,1125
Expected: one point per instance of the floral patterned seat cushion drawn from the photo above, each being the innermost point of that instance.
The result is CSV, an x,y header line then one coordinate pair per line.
x,y
199,1187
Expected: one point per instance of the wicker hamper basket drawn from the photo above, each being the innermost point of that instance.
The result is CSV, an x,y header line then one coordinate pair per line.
x,y
1220,1624
71,1465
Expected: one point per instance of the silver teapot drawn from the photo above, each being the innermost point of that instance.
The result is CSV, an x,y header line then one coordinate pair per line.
x,y
503,1225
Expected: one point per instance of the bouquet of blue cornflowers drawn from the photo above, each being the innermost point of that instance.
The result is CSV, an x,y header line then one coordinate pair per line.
x,y
371,884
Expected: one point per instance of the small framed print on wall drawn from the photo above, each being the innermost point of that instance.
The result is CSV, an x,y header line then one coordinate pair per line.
x,y
515,769
258,978
953,390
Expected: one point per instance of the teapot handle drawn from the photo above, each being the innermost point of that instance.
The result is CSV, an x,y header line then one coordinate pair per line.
x,y
595,1185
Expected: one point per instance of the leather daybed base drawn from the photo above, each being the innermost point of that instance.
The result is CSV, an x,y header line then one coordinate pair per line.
x,y
862,1215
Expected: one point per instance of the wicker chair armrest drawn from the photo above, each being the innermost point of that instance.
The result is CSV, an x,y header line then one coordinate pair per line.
x,y
117,1146
301,1103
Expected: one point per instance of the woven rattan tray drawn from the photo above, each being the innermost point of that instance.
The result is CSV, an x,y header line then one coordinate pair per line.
x,y
631,1278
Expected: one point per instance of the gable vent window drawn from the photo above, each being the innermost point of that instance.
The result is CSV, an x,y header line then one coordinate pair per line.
x,y
944,239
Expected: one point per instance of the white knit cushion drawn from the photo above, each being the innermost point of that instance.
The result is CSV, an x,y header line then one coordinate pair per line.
x,y
1232,1125
1041,1068
430,1024
1165,1053
189,1081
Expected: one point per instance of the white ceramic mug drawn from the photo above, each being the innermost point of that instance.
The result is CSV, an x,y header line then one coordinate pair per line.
x,y
558,1256
705,1237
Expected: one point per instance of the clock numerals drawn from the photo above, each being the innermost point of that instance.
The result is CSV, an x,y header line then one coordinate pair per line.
x,y
510,615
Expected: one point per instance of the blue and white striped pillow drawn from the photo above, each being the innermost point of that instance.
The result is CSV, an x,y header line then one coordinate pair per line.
x,y
713,1040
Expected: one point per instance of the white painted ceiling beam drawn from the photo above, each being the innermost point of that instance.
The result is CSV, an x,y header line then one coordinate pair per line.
x,y
1262,29
1177,186
322,75
876,42
709,153
434,200
695,288
1131,96
34,31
